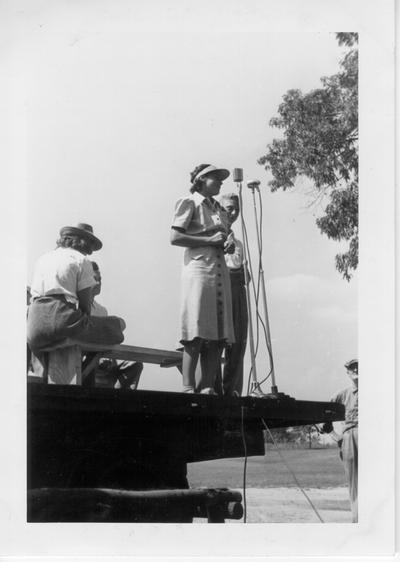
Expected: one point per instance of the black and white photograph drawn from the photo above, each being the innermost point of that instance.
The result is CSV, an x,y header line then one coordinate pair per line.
x,y
206,257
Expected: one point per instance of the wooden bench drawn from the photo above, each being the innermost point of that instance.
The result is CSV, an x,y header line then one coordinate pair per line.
x,y
63,363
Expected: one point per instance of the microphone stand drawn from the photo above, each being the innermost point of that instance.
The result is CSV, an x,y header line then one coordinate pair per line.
x,y
255,185
274,389
255,390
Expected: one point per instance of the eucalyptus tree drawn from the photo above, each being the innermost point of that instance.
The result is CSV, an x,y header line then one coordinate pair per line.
x,y
320,142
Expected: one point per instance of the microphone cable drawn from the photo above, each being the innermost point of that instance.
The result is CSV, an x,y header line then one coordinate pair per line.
x,y
267,341
253,290
292,473
244,466
260,246
256,293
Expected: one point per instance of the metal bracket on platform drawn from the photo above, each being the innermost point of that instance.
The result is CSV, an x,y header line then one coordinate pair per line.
x,y
256,392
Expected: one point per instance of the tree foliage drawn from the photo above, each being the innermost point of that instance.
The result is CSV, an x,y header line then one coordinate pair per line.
x,y
320,142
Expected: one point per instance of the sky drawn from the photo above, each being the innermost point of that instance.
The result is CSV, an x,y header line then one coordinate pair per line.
x,y
116,121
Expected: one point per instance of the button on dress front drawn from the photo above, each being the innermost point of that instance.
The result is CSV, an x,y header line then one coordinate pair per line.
x,y
206,304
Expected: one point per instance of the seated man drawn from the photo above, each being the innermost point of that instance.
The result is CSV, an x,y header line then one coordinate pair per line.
x,y
97,309
110,373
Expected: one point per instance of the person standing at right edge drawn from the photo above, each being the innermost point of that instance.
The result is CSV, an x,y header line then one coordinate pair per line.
x,y
201,226
349,442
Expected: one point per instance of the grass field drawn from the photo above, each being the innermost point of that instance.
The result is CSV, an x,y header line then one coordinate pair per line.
x,y
313,468
272,494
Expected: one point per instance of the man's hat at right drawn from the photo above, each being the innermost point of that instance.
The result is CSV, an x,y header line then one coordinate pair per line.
x,y
352,364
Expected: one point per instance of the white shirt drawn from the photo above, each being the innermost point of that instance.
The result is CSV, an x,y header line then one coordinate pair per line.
x,y
62,271
235,260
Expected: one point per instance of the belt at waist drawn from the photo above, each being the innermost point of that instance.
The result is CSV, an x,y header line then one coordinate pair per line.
x,y
55,296
352,426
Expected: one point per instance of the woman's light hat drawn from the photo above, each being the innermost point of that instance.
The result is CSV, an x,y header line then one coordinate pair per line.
x,y
220,173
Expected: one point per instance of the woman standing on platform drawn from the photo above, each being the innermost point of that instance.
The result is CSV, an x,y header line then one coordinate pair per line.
x,y
201,226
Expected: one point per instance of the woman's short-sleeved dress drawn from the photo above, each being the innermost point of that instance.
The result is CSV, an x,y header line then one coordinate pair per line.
x,y
206,306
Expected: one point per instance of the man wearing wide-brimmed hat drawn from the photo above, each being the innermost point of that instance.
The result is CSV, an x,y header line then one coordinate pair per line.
x,y
349,442
61,291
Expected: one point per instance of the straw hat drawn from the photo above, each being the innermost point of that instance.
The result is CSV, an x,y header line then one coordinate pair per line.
x,y
84,231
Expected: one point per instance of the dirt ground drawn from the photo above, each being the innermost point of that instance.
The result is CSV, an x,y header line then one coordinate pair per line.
x,y
273,494
289,505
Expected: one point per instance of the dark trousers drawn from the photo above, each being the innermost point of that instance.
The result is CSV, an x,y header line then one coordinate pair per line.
x,y
52,319
349,455
232,376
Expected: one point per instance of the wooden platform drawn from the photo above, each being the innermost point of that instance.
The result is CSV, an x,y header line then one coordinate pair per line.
x,y
102,426
82,438
281,412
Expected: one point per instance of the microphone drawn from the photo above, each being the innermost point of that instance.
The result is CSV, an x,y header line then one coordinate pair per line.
x,y
237,175
253,184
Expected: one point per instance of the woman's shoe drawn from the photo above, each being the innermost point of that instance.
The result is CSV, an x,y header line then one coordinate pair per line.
x,y
209,390
188,390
